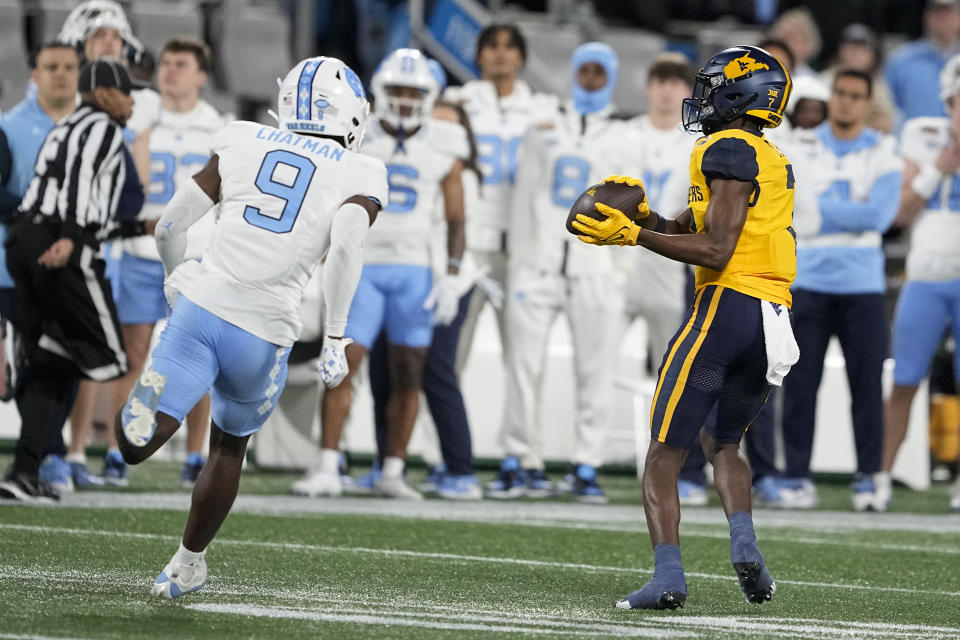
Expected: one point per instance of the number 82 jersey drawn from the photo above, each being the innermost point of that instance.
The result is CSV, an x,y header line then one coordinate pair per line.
x,y
279,192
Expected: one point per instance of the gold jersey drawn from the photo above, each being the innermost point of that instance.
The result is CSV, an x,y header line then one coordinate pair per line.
x,y
764,262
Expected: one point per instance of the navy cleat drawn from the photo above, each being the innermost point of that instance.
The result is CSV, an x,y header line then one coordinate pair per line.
x,y
510,483
585,487
755,581
191,470
115,470
667,588
538,485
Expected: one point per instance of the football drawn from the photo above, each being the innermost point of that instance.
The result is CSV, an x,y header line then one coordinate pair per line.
x,y
619,195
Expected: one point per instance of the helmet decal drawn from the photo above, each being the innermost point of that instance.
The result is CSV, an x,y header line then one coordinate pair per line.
x,y
305,88
742,66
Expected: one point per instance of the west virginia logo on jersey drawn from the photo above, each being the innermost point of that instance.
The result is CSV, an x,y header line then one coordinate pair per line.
x,y
742,66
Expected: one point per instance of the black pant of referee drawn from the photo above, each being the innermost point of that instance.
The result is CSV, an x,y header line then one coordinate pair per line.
x,y
65,305
71,331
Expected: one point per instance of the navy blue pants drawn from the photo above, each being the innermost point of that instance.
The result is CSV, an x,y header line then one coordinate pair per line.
x,y
716,361
441,385
859,323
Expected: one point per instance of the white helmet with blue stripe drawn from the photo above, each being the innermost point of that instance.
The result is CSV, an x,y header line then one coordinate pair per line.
x,y
404,68
322,95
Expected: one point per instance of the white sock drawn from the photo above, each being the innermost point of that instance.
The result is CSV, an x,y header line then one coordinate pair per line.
x,y
185,556
330,461
392,467
77,457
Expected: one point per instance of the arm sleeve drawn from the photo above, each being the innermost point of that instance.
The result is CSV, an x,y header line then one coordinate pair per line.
x,y
730,159
341,271
131,195
188,205
876,214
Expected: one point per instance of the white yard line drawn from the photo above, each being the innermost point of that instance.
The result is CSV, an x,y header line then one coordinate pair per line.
x,y
328,605
525,512
426,555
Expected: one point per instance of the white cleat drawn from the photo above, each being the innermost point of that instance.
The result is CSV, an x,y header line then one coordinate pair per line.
x,y
395,487
178,579
799,495
317,484
955,496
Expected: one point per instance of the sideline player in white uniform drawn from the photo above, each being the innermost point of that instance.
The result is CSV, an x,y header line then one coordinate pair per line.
x,y
287,197
179,147
930,300
664,161
396,290
551,272
100,29
501,107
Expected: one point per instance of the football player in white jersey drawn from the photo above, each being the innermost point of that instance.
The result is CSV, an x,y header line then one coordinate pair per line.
x,y
549,273
930,300
287,197
423,157
663,152
179,147
501,107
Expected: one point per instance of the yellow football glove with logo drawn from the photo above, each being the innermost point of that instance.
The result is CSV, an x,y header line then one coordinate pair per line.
x,y
643,209
615,229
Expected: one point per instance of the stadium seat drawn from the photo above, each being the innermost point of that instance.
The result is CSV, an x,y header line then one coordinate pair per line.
x,y
636,49
156,22
253,46
13,54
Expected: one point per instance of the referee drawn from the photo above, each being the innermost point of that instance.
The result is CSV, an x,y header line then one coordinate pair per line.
x,y
65,304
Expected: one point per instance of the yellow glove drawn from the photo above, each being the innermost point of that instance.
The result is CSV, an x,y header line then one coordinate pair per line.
x,y
643,209
616,228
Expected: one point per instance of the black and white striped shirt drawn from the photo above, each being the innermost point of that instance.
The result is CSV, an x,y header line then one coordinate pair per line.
x,y
79,175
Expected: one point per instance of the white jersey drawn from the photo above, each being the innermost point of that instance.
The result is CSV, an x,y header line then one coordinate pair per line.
x,y
415,169
179,147
805,150
662,157
279,192
560,158
499,125
935,237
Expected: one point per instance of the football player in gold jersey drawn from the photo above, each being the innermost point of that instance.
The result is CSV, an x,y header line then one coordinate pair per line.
x,y
736,339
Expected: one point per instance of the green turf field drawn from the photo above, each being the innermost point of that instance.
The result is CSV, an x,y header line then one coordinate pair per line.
x,y
289,568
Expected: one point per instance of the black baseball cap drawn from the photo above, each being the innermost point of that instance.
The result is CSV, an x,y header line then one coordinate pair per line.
x,y
105,73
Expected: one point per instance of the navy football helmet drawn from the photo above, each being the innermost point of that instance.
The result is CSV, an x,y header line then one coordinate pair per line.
x,y
738,81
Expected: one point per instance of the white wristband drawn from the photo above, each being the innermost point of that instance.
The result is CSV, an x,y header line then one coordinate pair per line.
x,y
925,183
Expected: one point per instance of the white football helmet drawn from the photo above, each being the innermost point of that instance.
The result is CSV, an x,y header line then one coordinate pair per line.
x,y
91,15
404,68
323,95
950,79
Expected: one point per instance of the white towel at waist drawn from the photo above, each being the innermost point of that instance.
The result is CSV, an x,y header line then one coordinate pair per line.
x,y
782,349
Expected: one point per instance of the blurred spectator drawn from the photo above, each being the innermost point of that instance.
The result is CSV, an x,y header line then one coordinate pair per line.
x,y
800,33
929,302
839,288
550,272
808,103
859,49
779,49
54,68
912,72
501,107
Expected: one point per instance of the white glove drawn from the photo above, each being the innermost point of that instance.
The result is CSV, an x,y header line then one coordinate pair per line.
x,y
491,288
444,299
333,361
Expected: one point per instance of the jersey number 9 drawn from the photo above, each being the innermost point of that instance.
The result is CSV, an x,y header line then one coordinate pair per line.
x,y
291,194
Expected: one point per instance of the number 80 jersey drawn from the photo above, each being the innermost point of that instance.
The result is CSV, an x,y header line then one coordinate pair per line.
x,y
278,195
